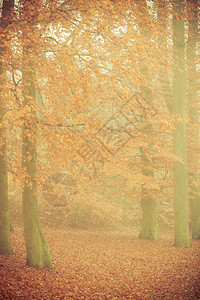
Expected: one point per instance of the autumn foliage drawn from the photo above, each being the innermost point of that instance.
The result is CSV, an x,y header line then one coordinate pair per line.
x,y
89,119
89,76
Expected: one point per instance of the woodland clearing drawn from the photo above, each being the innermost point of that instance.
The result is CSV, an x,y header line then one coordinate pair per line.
x,y
102,265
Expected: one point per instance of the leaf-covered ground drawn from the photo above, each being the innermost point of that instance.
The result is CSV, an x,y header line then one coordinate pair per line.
x,y
102,265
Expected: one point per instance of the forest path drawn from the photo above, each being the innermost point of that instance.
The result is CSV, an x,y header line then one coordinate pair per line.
x,y
102,265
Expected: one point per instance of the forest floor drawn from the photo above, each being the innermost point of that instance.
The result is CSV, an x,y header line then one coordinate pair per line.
x,y
102,265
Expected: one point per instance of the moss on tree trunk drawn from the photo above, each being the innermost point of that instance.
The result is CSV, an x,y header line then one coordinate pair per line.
x,y
149,227
181,223
37,251
193,128
5,241
195,218
149,220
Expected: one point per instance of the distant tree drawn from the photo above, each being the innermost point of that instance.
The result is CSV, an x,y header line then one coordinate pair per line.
x,y
193,127
165,69
5,242
179,107
149,228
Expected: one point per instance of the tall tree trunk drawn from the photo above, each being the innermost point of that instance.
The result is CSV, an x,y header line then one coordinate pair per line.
x,y
166,88
193,130
149,219
5,241
149,227
180,168
37,251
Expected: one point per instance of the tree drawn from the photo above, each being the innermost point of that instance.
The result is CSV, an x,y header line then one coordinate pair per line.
x,y
179,108
87,68
37,250
5,241
149,227
135,72
165,65
193,127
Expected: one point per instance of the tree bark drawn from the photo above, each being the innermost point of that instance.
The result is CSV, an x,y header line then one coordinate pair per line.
x,y
37,251
180,168
193,128
149,220
149,228
5,240
164,77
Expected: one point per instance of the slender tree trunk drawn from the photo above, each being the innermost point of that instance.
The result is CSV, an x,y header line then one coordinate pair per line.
x,y
149,227
193,128
180,168
164,78
149,219
5,241
37,251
